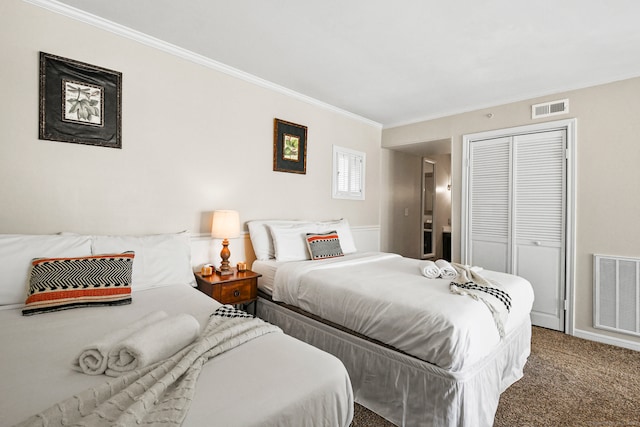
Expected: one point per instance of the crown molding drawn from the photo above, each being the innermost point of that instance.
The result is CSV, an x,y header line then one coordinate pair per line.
x,y
121,30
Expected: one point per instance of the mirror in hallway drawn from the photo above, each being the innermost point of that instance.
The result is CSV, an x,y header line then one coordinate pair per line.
x,y
428,207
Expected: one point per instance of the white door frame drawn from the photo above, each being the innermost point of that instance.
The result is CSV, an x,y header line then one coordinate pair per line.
x,y
570,126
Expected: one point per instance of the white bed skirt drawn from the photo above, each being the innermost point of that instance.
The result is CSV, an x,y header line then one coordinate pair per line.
x,y
406,390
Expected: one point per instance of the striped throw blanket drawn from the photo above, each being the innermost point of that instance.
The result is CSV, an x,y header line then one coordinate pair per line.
x,y
159,394
472,283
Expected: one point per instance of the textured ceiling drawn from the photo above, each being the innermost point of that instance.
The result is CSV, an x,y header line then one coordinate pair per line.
x,y
397,62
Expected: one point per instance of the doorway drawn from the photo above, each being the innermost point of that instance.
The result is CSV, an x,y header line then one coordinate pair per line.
x,y
403,210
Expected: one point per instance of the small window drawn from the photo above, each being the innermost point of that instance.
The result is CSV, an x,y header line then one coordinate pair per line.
x,y
348,173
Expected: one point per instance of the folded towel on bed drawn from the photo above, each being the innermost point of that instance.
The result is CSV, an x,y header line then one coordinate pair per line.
x,y
92,359
151,344
160,394
446,269
429,269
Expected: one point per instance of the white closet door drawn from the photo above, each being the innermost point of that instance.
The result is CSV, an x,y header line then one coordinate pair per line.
x,y
516,214
539,220
489,204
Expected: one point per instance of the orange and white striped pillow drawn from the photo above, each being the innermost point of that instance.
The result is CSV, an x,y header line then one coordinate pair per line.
x,y
64,283
324,245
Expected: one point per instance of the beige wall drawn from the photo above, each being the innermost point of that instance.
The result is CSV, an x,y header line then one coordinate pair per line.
x,y
608,173
194,140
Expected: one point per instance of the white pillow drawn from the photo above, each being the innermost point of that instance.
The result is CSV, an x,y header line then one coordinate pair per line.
x,y
18,250
343,229
261,239
290,241
161,259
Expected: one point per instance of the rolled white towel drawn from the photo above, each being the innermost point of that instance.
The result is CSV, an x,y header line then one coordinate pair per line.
x,y
92,359
153,343
429,269
446,269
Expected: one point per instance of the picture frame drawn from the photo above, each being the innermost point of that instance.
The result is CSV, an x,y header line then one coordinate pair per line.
x,y
79,102
289,147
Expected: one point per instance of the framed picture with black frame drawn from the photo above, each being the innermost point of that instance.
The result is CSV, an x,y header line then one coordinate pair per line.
x,y
289,147
79,103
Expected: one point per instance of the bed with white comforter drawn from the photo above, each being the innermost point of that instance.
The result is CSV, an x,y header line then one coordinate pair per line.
x,y
384,297
271,380
417,353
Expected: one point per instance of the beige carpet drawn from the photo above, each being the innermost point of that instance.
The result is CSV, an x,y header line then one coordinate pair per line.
x,y
567,382
362,417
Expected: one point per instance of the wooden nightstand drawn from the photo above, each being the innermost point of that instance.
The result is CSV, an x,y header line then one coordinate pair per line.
x,y
239,288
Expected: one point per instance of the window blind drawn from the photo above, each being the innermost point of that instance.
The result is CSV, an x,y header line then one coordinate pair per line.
x,y
349,171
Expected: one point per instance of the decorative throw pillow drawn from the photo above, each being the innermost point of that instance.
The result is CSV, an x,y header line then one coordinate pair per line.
x,y
18,250
343,229
64,283
324,245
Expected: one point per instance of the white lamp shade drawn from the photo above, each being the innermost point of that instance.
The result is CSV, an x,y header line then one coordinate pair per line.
x,y
225,224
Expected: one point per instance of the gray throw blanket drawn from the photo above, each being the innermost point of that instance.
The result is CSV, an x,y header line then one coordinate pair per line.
x,y
492,294
159,394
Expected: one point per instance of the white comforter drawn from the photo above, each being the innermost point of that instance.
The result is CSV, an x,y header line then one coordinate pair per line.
x,y
273,380
384,297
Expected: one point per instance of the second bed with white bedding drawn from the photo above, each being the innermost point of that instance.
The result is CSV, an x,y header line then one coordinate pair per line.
x,y
384,297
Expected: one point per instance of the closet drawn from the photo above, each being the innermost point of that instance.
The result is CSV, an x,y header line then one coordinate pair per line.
x,y
514,213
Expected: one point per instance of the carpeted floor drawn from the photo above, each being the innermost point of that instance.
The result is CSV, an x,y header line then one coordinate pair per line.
x,y
362,417
567,382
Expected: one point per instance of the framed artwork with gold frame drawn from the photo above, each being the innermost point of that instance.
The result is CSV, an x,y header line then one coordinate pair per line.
x,y
289,147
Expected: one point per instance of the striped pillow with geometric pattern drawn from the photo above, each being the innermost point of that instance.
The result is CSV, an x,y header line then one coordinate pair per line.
x,y
324,245
64,283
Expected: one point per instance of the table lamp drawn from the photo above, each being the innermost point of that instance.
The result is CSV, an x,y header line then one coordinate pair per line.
x,y
225,225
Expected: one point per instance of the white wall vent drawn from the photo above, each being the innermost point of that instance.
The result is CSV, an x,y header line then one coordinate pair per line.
x,y
617,294
552,108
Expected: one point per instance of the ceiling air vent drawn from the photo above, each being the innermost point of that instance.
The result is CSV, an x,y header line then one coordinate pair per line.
x,y
552,108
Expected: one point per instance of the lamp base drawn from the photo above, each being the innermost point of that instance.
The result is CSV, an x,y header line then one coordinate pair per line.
x,y
225,269
220,272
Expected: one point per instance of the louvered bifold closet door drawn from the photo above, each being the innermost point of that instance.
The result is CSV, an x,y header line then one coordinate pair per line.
x,y
538,221
489,204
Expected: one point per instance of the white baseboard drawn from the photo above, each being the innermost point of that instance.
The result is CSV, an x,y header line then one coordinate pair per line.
x,y
605,339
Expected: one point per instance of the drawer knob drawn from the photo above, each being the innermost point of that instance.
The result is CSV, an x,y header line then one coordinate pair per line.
x,y
236,293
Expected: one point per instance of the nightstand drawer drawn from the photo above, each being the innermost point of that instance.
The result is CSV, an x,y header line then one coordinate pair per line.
x,y
239,288
239,291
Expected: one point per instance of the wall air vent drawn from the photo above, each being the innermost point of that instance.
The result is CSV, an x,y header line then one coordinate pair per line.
x,y
552,108
616,299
